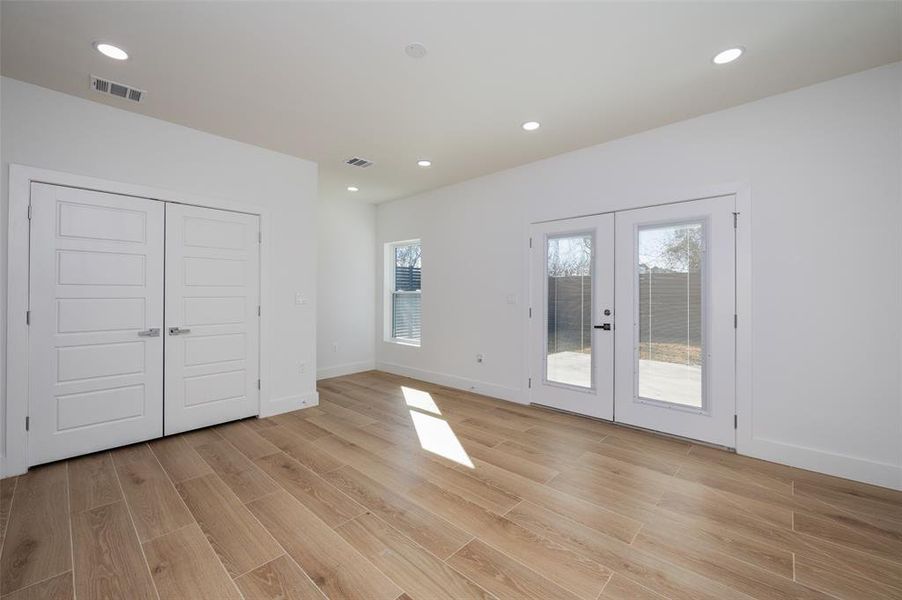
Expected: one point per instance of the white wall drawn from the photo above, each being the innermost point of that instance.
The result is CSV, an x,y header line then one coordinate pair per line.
x,y
47,129
346,282
824,166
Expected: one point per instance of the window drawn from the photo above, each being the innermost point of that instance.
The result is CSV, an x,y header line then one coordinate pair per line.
x,y
403,300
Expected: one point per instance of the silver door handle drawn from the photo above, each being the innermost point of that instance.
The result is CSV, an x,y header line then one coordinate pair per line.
x,y
178,331
152,332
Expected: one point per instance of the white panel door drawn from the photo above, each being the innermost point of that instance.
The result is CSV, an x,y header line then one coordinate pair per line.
x,y
571,330
96,309
212,322
675,346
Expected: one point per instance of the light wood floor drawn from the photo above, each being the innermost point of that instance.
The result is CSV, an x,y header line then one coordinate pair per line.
x,y
342,501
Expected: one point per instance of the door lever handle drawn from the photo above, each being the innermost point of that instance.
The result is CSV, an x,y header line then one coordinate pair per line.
x,y
152,332
605,326
178,331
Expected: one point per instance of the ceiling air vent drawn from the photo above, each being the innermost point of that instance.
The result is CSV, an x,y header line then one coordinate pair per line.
x,y
356,161
120,90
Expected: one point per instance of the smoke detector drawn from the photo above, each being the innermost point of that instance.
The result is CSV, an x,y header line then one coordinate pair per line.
x,y
415,50
356,161
120,90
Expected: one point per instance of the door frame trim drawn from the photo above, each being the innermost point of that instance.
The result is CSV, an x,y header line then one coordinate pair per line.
x,y
745,439
15,451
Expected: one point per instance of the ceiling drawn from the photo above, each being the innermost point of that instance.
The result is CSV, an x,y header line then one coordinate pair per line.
x,y
330,80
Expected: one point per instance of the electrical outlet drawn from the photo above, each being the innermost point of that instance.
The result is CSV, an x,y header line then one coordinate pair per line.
x,y
300,300
480,358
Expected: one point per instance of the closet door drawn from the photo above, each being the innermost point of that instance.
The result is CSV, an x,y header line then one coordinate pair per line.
x,y
96,309
212,317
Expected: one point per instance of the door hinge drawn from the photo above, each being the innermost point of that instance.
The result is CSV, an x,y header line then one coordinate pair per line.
x,y
29,212
27,423
735,220
735,421
530,242
530,312
735,321
258,384
258,310
28,317
529,383
259,237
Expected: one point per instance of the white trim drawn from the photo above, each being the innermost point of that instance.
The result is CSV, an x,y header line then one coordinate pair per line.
x,y
15,459
821,461
469,385
345,369
277,406
744,416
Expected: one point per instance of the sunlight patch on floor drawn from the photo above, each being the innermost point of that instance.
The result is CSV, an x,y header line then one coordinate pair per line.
x,y
437,437
420,399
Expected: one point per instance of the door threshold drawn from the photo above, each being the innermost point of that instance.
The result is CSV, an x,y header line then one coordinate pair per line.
x,y
635,428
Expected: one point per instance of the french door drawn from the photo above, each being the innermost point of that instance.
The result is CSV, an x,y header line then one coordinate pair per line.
x,y
572,286
672,361
143,320
675,340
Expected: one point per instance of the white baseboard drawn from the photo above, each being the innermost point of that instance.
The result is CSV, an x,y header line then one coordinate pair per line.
x,y
470,385
345,369
839,465
277,406
11,472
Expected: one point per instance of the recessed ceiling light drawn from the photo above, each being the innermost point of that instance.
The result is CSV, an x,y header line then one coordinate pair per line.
x,y
114,52
531,125
424,163
728,56
352,188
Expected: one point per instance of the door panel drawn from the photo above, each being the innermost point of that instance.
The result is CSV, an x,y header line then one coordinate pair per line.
x,y
96,283
100,360
76,315
212,299
572,285
675,347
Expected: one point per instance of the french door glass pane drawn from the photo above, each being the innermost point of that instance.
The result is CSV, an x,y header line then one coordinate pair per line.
x,y
671,349
569,310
